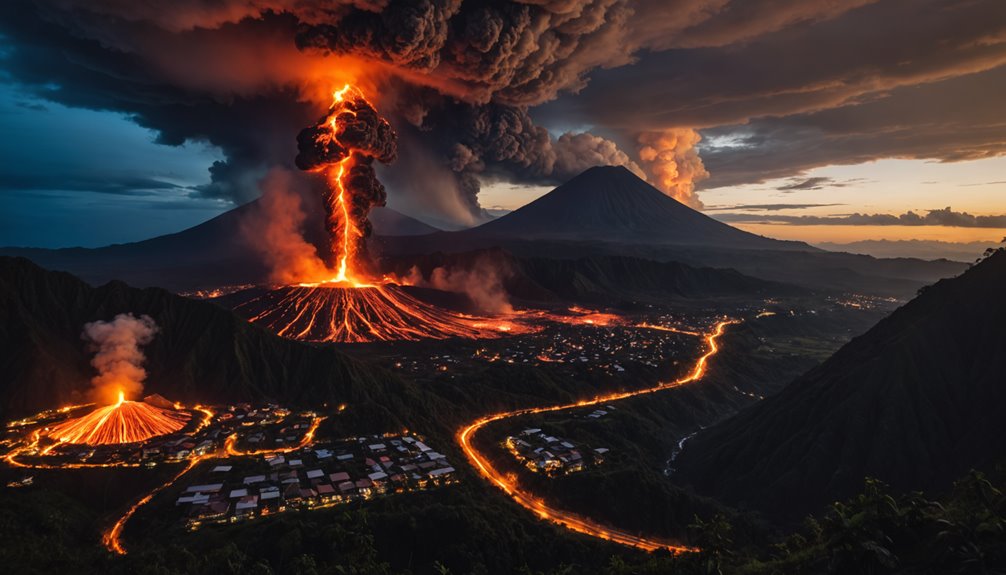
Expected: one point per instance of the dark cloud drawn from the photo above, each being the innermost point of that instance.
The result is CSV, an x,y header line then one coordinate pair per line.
x,y
958,119
941,217
857,55
105,183
800,83
53,60
769,207
815,183
992,183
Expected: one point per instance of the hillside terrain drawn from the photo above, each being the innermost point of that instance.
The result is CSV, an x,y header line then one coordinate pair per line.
x,y
915,402
202,352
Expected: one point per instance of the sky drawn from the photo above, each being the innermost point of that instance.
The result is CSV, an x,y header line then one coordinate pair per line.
x,y
797,119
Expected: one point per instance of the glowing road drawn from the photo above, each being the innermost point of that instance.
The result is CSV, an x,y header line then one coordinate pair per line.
x,y
570,520
112,538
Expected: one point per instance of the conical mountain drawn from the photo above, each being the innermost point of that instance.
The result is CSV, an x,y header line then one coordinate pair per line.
x,y
610,203
916,402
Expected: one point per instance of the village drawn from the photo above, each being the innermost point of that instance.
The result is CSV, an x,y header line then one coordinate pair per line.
x,y
598,344
315,477
547,454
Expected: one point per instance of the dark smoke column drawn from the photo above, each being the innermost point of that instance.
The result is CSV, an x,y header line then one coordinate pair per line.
x,y
344,144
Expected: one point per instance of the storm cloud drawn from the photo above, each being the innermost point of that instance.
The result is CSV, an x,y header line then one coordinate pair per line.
x,y
534,91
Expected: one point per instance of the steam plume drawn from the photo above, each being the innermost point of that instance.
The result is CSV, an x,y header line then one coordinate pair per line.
x,y
118,358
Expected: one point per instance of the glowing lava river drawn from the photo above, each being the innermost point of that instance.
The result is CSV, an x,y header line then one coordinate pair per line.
x,y
569,520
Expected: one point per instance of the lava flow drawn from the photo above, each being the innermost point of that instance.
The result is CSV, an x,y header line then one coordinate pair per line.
x,y
371,313
122,422
570,520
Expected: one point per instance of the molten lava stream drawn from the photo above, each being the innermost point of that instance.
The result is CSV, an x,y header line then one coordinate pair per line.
x,y
123,422
565,518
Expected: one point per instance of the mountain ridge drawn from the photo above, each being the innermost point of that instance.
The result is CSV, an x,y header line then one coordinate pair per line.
x,y
915,402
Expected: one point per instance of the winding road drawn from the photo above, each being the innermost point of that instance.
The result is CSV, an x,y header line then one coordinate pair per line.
x,y
567,519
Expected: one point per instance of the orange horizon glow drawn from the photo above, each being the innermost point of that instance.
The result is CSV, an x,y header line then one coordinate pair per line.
x,y
849,234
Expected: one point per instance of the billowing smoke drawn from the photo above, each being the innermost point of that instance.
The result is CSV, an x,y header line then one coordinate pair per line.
x,y
276,230
672,159
346,141
118,357
472,143
482,282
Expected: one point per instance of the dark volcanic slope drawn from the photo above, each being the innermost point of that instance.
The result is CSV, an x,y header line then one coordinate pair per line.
x,y
601,277
202,352
915,401
596,279
612,204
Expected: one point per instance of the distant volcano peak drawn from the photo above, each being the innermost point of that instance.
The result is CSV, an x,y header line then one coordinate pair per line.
x,y
612,204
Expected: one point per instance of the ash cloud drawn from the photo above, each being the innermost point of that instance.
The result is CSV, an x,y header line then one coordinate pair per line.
x,y
117,355
243,75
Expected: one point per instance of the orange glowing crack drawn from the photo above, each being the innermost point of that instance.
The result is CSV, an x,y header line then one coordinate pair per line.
x,y
565,518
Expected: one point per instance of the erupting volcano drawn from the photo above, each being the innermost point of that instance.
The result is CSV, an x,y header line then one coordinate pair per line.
x,y
349,303
122,422
343,145
119,362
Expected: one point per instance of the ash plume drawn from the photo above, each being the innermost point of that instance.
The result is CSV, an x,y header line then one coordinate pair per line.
x,y
352,130
118,357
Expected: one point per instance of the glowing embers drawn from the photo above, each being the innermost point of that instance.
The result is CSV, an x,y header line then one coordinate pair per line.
x,y
122,422
330,313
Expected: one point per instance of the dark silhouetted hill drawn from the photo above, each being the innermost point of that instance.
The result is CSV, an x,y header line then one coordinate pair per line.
x,y
601,279
915,402
202,353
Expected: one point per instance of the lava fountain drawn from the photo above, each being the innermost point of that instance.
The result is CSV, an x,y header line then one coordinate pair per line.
x,y
350,304
122,422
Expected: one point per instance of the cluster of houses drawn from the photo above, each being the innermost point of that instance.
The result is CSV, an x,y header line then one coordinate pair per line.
x,y
315,477
551,455
605,349
269,426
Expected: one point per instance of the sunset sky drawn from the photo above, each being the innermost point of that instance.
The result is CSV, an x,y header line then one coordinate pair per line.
x,y
798,119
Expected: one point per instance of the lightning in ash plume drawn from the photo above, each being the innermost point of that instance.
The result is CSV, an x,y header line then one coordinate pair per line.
x,y
344,145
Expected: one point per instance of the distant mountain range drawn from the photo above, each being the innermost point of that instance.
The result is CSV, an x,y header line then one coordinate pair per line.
x,y
212,254
922,249
603,211
598,279
915,402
